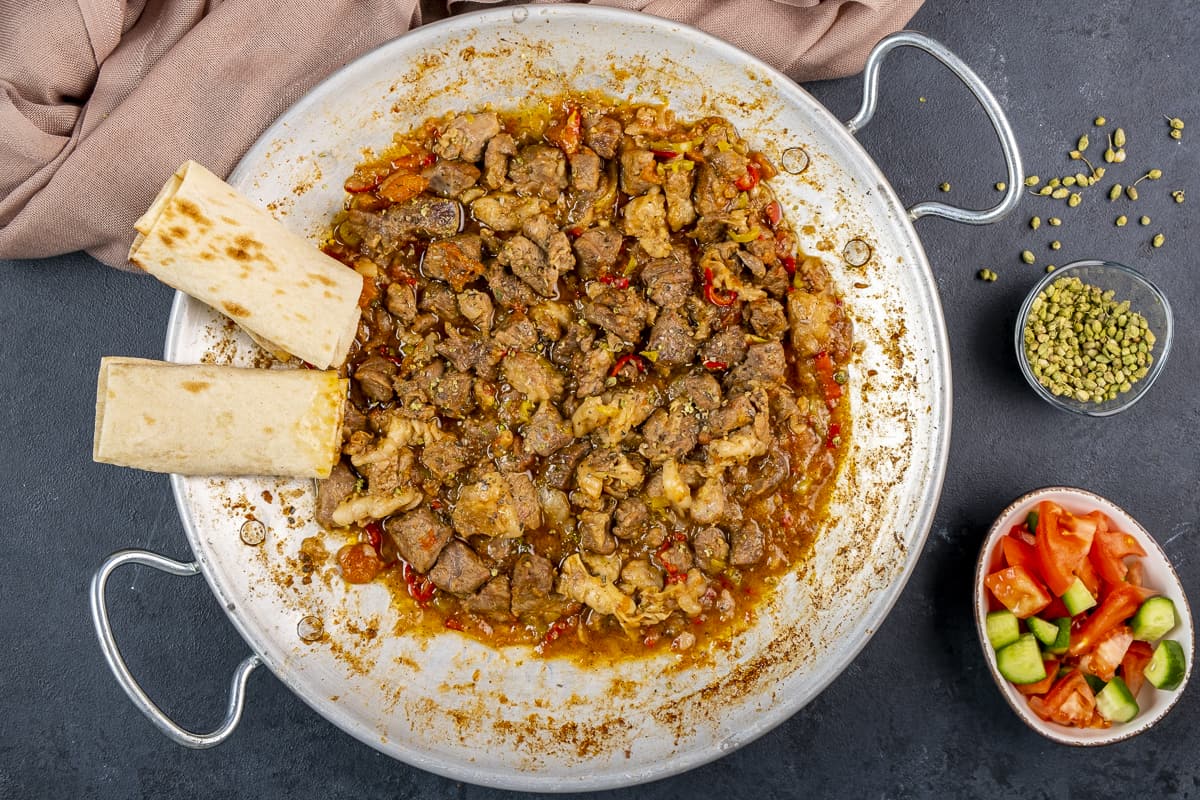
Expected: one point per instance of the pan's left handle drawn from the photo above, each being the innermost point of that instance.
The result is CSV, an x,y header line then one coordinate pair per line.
x,y
991,107
112,654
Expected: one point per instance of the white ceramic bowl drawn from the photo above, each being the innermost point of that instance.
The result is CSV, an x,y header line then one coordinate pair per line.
x,y
1159,575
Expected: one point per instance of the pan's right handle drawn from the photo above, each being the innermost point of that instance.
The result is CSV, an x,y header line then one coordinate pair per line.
x,y
991,107
112,654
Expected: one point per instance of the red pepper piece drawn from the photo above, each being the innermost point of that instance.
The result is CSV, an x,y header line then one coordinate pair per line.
x,y
750,179
832,389
454,625
715,365
666,154
420,588
713,294
628,358
616,281
386,352
834,438
774,213
789,264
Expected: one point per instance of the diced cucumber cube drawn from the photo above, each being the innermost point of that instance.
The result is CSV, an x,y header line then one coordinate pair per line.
x,y
1002,628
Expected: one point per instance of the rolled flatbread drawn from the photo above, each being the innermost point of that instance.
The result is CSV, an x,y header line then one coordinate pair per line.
x,y
200,236
210,420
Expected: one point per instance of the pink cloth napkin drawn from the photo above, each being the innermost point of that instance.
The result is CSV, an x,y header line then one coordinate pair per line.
x,y
101,100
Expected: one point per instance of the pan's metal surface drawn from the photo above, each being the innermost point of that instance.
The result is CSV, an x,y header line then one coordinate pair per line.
x,y
503,717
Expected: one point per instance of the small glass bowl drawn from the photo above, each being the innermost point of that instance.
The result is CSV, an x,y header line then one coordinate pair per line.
x,y
1126,284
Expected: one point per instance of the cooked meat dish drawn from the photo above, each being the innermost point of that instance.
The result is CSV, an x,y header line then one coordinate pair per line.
x,y
595,390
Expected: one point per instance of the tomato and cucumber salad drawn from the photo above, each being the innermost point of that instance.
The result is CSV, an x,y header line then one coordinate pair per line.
x,y
1073,626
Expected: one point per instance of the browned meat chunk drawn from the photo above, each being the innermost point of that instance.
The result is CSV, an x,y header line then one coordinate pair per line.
x,y
621,312
737,411
752,262
538,171
375,375
502,211
729,164
424,216
459,350
668,281
711,549
418,537
459,570
764,363
533,589
492,601
444,458
712,195
669,434
677,559
603,135
525,500
486,507
748,545
532,376
678,188
466,136
645,218
352,420
637,171
671,338
727,347
597,251
767,318
517,333
560,465
442,302
401,300
593,532
476,307
495,159
450,178
546,431
631,518
777,281
698,388
590,369
508,290
452,394
332,491
585,171
455,260
529,263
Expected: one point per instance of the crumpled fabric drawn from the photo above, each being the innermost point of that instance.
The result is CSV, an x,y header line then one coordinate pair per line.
x,y
101,100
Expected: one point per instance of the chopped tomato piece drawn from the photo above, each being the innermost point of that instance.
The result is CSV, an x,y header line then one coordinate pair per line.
x,y
1069,702
1063,542
1136,574
1087,573
1106,656
366,177
400,187
1133,665
1119,606
1019,554
566,135
359,562
1109,551
1042,686
1056,609
1020,592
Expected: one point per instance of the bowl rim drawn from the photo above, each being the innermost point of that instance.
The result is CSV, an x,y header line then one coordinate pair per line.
x,y
1165,339
1060,733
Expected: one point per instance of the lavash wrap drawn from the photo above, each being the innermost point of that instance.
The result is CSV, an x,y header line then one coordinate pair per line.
x,y
202,237
214,420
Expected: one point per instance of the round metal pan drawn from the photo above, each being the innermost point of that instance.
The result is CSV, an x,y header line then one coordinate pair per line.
x,y
506,717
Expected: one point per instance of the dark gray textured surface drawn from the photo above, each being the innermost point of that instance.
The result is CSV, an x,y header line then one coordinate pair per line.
x,y
916,715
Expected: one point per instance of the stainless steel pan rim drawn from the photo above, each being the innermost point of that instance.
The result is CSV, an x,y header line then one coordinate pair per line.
x,y
882,601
